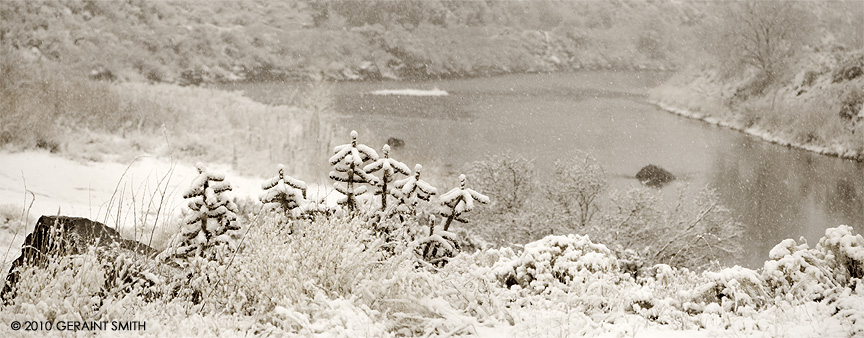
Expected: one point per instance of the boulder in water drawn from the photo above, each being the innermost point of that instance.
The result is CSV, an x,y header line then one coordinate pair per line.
x,y
654,176
395,142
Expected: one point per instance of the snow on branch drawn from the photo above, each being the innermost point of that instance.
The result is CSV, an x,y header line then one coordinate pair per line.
x,y
212,213
347,161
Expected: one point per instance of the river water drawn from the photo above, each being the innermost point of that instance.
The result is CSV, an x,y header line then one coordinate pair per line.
x,y
775,191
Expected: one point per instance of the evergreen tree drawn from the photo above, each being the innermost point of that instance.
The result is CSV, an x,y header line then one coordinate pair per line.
x,y
389,168
283,192
212,216
348,163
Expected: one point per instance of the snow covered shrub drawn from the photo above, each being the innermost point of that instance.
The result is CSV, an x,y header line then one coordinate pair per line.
x,y
802,273
733,288
555,261
212,214
458,201
283,192
576,186
844,253
388,168
67,288
452,205
347,162
507,178
797,272
83,287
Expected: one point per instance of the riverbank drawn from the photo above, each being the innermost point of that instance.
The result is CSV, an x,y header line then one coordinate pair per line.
x,y
820,109
767,135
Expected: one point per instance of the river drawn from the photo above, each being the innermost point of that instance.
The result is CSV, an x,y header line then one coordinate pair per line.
x,y
777,192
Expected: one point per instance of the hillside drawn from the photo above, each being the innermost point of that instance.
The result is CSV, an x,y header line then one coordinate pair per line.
x,y
800,84
202,41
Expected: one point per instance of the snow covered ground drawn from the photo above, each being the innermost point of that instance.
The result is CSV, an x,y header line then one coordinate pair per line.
x,y
559,286
95,189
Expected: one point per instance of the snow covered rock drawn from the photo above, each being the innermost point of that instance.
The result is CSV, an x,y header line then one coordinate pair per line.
x,y
60,236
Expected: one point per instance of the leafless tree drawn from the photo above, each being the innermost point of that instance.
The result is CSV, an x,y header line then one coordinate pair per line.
x,y
762,34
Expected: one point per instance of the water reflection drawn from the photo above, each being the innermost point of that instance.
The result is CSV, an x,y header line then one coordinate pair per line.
x,y
781,193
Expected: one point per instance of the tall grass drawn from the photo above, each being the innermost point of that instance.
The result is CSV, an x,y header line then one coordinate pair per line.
x,y
46,107
41,103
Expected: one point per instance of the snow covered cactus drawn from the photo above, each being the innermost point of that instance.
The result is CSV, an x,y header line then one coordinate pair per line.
x,y
458,201
212,216
388,168
453,205
347,162
410,190
283,191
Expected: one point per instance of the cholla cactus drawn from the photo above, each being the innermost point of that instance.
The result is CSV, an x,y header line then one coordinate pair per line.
x,y
438,239
453,204
389,168
213,214
348,167
458,201
283,191
410,190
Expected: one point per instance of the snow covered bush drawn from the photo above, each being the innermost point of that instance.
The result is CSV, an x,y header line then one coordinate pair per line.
x,y
283,192
798,272
212,214
554,261
347,162
388,168
693,233
733,289
458,201
844,252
